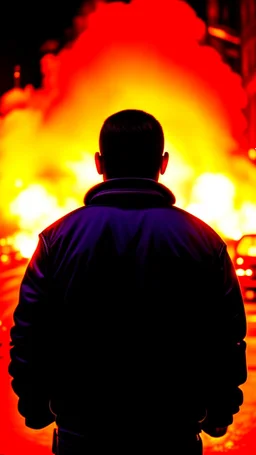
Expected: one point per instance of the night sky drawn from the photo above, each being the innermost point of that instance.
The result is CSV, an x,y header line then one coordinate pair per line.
x,y
26,26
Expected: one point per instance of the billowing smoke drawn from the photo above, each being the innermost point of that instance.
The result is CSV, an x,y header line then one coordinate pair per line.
x,y
145,55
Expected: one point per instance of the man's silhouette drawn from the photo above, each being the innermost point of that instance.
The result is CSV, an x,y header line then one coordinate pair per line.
x,y
130,326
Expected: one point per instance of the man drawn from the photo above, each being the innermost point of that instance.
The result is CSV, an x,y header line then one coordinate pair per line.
x,y
129,331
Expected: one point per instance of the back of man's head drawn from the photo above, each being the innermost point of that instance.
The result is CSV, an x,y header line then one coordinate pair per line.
x,y
131,145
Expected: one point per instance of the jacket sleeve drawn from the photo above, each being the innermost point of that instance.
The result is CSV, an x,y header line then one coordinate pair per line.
x,y
228,355
30,350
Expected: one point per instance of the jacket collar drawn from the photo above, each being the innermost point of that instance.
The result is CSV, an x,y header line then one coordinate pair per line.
x,y
132,192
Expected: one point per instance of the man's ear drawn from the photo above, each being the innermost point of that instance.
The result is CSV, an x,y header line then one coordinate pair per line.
x,y
164,163
98,163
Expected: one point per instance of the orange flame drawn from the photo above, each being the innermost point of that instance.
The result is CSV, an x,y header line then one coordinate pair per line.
x,y
128,56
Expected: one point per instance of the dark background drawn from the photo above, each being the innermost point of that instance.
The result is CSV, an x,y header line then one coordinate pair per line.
x,y
26,26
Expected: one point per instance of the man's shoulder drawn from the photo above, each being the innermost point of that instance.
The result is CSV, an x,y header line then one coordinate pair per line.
x,y
66,219
194,223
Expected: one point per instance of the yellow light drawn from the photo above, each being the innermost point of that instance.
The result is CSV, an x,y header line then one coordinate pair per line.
x,y
248,272
252,251
4,258
252,154
18,183
240,272
239,261
25,244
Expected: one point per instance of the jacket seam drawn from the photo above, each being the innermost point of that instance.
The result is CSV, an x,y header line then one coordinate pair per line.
x,y
44,243
222,250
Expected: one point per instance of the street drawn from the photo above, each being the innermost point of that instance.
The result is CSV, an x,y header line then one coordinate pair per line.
x,y
15,438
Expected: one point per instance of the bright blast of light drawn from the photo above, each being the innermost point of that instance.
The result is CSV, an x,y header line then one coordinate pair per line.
x,y
35,207
213,200
48,136
215,193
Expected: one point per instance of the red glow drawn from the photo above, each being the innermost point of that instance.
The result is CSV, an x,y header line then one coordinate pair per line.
x,y
145,55
222,34
129,55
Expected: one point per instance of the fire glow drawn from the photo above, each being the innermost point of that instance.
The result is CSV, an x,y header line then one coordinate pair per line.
x,y
143,55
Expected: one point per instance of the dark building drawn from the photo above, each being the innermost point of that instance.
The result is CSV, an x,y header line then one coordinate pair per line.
x,y
248,54
231,28
223,25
